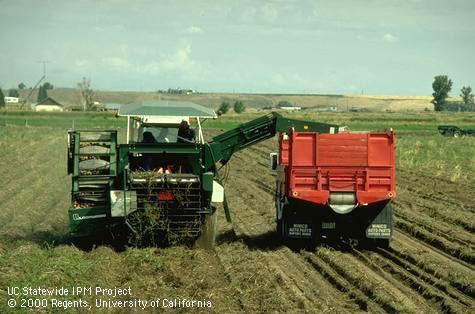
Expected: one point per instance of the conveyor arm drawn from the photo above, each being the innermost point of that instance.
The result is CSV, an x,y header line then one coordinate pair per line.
x,y
226,144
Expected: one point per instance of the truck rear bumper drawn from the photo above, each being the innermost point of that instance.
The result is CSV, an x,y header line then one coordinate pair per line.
x,y
312,221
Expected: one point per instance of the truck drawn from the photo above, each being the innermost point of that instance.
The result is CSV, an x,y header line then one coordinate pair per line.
x,y
158,187
335,186
454,131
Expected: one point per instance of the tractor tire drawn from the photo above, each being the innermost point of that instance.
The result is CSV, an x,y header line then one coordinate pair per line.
x,y
207,238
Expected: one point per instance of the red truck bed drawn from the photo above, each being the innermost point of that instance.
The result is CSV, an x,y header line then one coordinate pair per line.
x,y
319,164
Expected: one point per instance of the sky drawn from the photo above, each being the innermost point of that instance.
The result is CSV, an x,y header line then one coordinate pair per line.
x,y
374,47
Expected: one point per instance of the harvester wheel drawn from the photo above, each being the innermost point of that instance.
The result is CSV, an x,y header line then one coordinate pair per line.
x,y
279,229
207,238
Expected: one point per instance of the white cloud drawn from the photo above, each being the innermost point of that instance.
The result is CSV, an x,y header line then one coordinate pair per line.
x,y
389,38
117,63
178,61
82,63
192,30
269,13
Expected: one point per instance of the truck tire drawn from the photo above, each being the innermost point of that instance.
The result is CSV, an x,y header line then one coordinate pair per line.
x,y
371,244
382,243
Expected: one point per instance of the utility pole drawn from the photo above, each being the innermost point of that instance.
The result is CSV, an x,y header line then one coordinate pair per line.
x,y
44,66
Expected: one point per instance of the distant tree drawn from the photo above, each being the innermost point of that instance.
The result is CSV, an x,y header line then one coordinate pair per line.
x,y
13,93
466,94
48,86
2,99
21,86
442,86
42,94
223,108
239,106
284,103
86,93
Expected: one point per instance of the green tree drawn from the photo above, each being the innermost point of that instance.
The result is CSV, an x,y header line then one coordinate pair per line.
x,y
42,94
13,93
466,94
442,86
223,108
239,106
2,99
284,103
21,86
48,86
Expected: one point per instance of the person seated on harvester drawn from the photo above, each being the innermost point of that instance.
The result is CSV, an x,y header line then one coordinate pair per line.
x,y
185,133
147,137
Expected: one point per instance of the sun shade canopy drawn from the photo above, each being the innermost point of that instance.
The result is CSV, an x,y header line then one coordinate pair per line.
x,y
167,109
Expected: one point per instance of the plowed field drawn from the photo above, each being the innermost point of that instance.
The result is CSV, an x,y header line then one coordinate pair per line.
x,y
429,266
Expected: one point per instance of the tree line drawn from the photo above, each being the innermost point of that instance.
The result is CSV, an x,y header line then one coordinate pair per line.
x,y
442,86
238,107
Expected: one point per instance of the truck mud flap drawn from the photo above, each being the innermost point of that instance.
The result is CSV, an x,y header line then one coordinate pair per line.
x,y
381,226
298,228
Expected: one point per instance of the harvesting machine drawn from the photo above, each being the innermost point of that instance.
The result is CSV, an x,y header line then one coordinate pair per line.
x,y
454,131
159,187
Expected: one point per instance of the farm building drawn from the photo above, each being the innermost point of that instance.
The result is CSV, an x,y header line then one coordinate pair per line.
x,y
49,104
11,100
291,108
112,106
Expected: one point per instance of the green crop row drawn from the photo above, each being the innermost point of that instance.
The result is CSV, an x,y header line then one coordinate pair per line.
x,y
358,121
451,158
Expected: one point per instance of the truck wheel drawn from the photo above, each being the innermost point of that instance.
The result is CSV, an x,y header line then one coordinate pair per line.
x,y
207,238
371,244
382,243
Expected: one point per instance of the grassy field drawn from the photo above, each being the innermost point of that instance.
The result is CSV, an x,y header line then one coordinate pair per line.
x,y
419,145
249,271
426,122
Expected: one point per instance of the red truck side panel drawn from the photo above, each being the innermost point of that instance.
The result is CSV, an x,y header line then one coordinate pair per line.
x,y
317,164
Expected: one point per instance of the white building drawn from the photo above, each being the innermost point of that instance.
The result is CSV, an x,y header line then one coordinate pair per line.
x,y
49,104
12,100
291,108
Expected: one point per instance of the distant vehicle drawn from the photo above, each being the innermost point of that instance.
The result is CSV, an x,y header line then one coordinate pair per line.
x,y
454,131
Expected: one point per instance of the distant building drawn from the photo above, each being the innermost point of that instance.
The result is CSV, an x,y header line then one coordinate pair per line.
x,y
12,100
49,104
112,106
330,109
291,108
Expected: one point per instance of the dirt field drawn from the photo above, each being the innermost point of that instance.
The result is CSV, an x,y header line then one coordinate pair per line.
x,y
429,267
